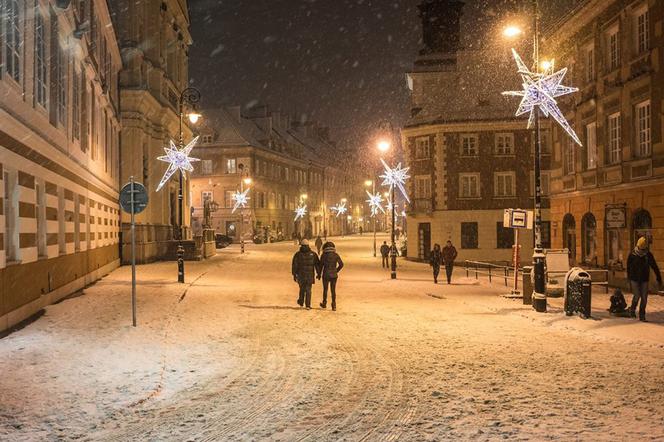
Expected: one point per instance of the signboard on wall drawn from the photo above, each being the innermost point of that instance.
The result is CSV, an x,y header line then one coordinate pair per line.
x,y
615,217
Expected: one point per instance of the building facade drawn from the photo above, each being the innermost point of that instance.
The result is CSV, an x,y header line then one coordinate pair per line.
x,y
59,149
609,193
470,159
154,40
288,164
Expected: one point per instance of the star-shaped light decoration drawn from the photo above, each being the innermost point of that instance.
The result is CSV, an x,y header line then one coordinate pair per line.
x,y
178,160
240,200
376,203
339,209
300,212
396,177
541,90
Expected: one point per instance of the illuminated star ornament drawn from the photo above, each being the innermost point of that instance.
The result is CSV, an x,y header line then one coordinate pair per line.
x,y
300,212
376,203
241,200
541,90
396,177
339,209
178,160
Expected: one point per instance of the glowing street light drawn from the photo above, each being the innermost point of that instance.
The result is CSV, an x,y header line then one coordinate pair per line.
x,y
194,117
512,31
384,145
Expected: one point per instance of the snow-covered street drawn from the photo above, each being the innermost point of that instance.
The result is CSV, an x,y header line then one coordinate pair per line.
x,y
230,356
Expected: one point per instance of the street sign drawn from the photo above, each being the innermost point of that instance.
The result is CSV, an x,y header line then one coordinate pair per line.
x,y
518,219
140,198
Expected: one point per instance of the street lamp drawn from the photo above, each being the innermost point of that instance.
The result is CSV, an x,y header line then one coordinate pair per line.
x,y
384,146
244,180
372,184
539,283
343,222
189,97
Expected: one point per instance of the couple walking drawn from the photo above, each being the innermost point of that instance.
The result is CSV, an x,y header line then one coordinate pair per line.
x,y
444,257
307,264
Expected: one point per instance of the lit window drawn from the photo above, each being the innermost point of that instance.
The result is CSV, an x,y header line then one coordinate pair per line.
x,y
206,167
614,49
423,187
422,148
644,146
642,30
590,64
13,38
231,166
614,138
40,59
591,146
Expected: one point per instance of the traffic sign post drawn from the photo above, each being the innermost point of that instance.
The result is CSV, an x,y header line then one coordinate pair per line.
x,y
517,219
133,199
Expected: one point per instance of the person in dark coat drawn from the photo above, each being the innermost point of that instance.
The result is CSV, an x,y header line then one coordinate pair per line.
x,y
385,253
618,304
305,266
639,263
436,260
449,255
319,244
329,268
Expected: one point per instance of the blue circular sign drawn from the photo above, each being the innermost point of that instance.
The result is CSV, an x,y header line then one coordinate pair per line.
x,y
140,197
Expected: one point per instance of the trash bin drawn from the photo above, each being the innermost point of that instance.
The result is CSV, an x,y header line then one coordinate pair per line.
x,y
527,285
578,292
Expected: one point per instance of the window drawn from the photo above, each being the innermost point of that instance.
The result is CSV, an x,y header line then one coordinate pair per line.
x,y
614,49
13,38
504,184
422,148
591,146
545,179
504,236
206,195
231,166
590,64
469,185
614,126
504,144
469,145
206,167
643,141
76,106
568,156
40,59
423,187
228,199
469,236
207,139
642,30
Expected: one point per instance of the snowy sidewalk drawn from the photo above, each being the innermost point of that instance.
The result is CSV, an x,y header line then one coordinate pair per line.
x,y
230,356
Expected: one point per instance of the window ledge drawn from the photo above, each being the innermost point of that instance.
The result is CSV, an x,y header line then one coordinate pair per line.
x,y
468,156
470,198
511,197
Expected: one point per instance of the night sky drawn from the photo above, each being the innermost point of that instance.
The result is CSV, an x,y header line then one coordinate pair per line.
x,y
339,62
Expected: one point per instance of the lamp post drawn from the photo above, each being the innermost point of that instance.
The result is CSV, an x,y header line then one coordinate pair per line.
x,y
372,184
243,180
539,283
190,96
343,221
384,146
298,227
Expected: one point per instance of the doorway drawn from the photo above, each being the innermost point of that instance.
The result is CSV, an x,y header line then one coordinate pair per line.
x,y
424,243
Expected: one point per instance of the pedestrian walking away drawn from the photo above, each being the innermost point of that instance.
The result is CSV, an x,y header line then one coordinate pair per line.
x,y
319,244
385,253
436,260
329,268
449,255
639,263
305,265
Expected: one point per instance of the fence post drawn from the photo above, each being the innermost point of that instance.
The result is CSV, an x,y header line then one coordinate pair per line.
x,y
489,274
507,274
467,273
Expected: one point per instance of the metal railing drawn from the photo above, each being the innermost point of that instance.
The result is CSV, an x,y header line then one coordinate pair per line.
x,y
506,273
493,271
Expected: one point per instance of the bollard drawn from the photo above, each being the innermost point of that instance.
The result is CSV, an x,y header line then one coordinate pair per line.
x,y
539,283
180,253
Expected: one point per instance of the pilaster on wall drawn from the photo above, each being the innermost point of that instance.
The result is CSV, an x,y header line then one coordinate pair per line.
x,y
440,172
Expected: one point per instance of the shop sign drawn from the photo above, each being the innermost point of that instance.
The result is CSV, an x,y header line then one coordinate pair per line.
x,y
616,217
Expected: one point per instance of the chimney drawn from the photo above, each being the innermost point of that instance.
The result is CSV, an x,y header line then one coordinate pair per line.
x,y
441,26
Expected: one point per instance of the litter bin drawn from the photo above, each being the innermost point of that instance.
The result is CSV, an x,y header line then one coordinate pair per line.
x,y
527,285
578,292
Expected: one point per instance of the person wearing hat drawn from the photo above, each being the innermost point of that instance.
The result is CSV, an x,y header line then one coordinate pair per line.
x,y
639,263
305,265
329,268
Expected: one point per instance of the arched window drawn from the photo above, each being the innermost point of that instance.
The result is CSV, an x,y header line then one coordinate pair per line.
x,y
589,238
569,236
641,225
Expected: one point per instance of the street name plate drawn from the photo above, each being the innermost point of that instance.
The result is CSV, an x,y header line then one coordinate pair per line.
x,y
616,217
140,197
